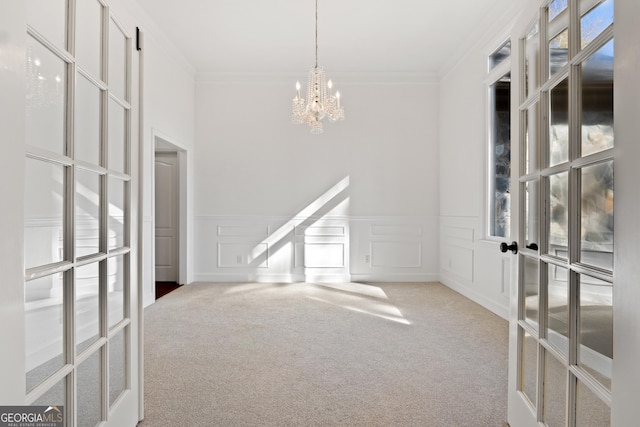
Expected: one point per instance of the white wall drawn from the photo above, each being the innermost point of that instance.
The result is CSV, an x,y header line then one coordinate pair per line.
x,y
168,112
470,263
260,181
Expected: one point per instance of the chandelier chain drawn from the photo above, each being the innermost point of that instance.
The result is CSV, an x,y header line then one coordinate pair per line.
x,y
316,33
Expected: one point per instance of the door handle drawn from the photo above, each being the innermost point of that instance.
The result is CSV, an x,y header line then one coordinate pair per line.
x,y
532,246
513,247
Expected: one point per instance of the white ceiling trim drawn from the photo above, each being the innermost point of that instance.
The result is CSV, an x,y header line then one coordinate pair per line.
x,y
351,78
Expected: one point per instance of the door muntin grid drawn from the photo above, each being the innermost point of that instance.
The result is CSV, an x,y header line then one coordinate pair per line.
x,y
78,242
574,269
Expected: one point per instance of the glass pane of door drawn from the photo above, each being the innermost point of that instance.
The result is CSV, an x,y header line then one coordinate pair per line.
x,y
596,98
596,225
45,322
595,325
46,98
559,120
87,212
558,308
44,213
558,215
568,285
89,36
555,391
89,381
49,18
87,305
87,121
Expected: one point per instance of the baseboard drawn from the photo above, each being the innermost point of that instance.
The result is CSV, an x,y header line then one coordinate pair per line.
x,y
315,277
495,307
394,277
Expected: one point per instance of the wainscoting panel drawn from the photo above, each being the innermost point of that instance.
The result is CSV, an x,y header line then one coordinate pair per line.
x,y
328,248
240,255
243,231
320,231
473,265
459,261
324,255
396,230
396,254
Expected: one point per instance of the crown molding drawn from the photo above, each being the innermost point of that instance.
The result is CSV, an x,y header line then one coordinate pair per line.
x,y
288,78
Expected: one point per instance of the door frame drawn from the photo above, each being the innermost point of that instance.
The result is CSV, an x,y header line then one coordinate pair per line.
x,y
164,144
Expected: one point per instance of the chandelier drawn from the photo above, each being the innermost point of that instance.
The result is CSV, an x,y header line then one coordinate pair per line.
x,y
321,102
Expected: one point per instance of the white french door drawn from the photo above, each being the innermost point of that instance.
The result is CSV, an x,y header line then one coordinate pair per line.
x,y
80,205
570,273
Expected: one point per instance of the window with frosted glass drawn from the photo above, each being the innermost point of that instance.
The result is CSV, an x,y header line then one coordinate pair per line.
x,y
502,53
500,174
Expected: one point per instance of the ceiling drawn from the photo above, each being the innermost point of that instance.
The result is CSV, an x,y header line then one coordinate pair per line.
x,y
277,36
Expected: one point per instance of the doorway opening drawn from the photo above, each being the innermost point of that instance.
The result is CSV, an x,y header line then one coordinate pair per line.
x,y
169,216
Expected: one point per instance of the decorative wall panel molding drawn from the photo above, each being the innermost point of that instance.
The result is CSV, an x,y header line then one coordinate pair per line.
x,y
243,231
324,248
324,231
458,261
460,234
396,254
324,255
239,255
397,230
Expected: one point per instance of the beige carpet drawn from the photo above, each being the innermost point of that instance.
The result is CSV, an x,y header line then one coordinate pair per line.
x,y
387,354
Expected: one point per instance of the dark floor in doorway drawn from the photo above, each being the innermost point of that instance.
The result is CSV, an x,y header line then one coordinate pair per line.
x,y
163,288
